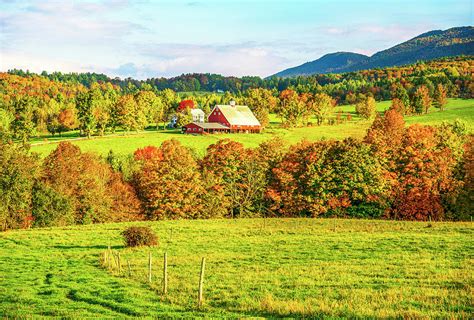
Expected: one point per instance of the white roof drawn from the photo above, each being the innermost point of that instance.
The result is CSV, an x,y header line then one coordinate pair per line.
x,y
238,115
197,112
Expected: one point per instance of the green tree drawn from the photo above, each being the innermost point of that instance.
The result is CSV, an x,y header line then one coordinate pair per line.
x,y
50,208
23,125
323,106
366,108
6,119
18,171
261,101
129,115
183,117
87,121
399,92
292,110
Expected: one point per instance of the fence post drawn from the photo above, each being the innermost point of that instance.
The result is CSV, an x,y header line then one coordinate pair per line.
x,y
118,263
149,267
109,257
201,281
129,268
165,273
103,259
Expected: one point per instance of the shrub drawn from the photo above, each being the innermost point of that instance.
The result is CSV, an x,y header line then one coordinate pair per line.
x,y
139,236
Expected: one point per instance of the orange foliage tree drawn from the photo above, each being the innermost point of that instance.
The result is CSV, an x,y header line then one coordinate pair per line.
x,y
169,183
424,173
90,185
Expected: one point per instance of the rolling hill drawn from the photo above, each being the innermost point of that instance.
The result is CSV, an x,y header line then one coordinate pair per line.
x,y
427,46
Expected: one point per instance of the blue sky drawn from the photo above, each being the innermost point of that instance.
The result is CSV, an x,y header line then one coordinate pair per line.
x,y
144,39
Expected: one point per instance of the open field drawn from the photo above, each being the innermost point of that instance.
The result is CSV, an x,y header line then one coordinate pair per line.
x,y
255,267
125,144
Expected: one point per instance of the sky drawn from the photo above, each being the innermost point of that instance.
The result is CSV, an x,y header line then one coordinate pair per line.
x,y
144,38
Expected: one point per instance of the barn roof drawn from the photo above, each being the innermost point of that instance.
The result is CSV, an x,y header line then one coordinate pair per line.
x,y
238,115
208,125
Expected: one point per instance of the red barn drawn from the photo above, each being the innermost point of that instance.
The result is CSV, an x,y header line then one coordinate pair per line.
x,y
237,118
204,127
227,118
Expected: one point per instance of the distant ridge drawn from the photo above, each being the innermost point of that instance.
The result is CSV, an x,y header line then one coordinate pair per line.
x,y
427,46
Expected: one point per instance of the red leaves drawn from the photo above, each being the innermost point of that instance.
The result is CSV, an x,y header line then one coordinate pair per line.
x,y
147,153
186,104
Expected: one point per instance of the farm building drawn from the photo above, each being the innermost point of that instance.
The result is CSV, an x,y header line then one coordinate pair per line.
x,y
227,118
197,114
204,127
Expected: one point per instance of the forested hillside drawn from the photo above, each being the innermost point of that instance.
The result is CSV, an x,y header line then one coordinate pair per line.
x,y
329,63
427,46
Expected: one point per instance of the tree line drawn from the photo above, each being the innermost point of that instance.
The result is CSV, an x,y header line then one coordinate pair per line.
x,y
395,172
31,105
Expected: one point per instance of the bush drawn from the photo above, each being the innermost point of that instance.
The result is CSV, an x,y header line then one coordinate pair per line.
x,y
139,236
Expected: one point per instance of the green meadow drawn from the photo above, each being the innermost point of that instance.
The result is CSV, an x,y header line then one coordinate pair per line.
x,y
122,143
254,268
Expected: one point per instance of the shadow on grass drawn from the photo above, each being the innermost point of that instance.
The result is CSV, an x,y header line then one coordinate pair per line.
x,y
87,247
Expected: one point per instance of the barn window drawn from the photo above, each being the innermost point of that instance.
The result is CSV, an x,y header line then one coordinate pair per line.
x,y
200,129
219,113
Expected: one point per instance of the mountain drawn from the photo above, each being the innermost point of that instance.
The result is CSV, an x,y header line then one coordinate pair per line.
x,y
427,46
329,63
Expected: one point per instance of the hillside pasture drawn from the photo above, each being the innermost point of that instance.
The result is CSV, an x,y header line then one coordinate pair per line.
x,y
255,268
126,143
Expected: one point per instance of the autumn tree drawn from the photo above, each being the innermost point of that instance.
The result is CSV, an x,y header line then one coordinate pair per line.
x,y
67,119
399,92
421,100
424,172
89,185
169,184
292,110
327,176
398,106
440,95
186,104
238,171
366,108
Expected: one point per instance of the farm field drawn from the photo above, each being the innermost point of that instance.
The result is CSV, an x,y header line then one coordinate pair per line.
x,y
126,144
254,268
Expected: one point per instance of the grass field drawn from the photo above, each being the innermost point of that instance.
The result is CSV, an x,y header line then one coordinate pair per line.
x,y
255,268
125,144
